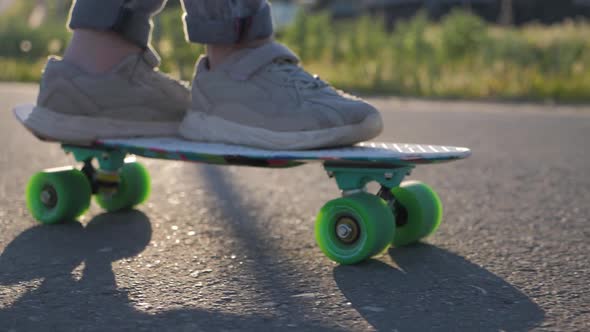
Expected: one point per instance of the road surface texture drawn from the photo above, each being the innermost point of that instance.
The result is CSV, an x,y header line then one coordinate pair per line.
x,y
232,249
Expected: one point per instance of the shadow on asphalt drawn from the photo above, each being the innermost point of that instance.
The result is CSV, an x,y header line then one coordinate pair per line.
x,y
273,276
432,289
59,295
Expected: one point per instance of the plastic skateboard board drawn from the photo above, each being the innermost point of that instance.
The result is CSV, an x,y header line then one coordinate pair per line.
x,y
369,154
348,230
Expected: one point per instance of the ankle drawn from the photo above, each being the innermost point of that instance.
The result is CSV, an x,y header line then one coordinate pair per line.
x,y
98,51
217,54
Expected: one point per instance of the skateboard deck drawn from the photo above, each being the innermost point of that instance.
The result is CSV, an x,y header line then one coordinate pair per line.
x,y
363,154
348,229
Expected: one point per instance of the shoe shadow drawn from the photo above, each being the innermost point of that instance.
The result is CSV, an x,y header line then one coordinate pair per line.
x,y
65,275
432,289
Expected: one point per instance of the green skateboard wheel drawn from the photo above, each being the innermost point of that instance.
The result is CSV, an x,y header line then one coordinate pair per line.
x,y
352,229
418,211
134,189
58,196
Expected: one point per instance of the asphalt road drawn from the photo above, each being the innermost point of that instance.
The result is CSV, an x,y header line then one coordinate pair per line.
x,y
227,248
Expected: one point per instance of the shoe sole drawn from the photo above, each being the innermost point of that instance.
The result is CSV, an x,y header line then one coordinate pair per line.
x,y
198,126
53,126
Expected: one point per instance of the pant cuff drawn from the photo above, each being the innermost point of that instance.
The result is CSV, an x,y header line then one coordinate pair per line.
x,y
112,15
229,31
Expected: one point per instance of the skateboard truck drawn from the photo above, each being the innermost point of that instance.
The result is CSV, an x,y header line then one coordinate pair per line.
x,y
352,180
106,178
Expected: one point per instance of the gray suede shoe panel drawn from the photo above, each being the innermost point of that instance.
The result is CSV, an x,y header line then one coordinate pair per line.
x,y
264,92
132,100
133,90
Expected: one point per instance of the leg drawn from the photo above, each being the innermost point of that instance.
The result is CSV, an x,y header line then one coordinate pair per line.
x,y
227,22
131,19
105,32
227,25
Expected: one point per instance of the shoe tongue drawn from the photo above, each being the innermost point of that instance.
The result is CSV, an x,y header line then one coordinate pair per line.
x,y
245,63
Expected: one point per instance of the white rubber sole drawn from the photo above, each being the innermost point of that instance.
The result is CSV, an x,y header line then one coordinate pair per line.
x,y
50,125
198,126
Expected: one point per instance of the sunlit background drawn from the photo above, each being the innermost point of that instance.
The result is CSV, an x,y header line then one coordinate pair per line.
x,y
503,49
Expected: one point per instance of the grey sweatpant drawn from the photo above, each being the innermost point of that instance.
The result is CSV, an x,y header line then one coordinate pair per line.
x,y
206,21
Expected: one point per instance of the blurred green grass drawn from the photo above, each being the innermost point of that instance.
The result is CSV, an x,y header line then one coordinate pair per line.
x,y
459,57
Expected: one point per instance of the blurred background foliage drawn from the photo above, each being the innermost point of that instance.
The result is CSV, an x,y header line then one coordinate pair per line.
x,y
458,56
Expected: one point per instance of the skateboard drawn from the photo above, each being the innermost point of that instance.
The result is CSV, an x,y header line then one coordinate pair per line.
x,y
348,229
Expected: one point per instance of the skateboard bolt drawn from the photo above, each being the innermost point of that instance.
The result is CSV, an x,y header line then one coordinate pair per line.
x,y
48,196
344,231
347,230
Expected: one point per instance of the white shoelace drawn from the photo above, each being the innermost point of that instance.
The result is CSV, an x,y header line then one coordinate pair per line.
x,y
296,75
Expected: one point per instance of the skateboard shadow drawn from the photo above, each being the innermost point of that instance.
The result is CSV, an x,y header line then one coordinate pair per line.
x,y
65,275
432,289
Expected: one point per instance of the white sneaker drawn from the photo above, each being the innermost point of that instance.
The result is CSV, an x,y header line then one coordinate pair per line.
x,y
261,98
132,100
